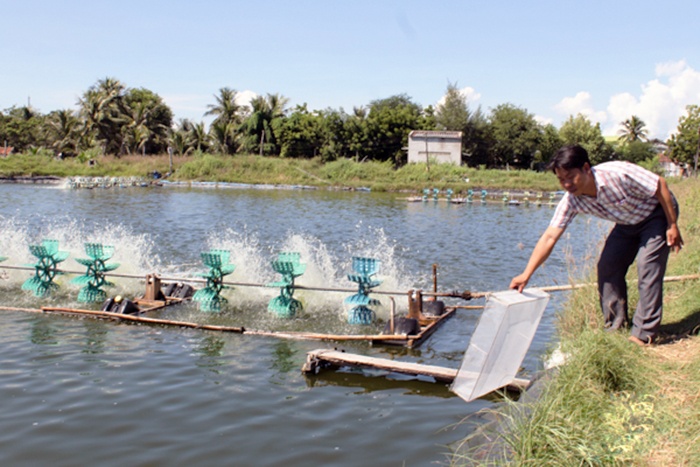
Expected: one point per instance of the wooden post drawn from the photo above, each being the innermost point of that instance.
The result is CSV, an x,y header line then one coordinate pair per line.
x,y
435,280
153,291
415,304
392,317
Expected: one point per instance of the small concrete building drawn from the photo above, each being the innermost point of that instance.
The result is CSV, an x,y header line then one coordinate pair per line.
x,y
438,146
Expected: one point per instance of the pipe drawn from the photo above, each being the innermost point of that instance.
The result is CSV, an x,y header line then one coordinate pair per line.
x,y
465,295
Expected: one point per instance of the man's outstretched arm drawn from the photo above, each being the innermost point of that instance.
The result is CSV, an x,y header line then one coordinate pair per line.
x,y
539,255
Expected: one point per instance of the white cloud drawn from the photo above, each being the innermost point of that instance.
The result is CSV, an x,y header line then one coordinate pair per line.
x,y
580,104
470,95
543,120
660,103
244,97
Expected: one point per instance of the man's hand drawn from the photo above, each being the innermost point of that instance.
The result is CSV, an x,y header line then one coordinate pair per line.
x,y
673,238
519,282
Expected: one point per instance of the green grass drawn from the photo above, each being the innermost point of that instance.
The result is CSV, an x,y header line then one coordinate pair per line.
x,y
343,173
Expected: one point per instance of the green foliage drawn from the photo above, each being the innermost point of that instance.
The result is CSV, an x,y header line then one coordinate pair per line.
x,y
389,122
205,167
146,121
652,164
258,129
453,114
685,143
300,134
580,130
88,154
21,128
636,151
344,170
516,136
550,143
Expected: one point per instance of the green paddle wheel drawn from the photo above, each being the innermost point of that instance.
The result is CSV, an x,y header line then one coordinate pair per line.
x,y
288,264
94,278
364,271
46,268
209,297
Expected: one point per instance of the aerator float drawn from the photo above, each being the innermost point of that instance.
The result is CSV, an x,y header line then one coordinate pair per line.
x,y
94,278
364,272
46,268
288,264
209,297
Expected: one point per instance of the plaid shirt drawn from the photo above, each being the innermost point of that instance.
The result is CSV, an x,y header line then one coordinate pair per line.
x,y
625,194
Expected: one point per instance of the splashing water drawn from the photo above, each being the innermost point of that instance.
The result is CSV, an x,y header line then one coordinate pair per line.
x,y
138,255
134,252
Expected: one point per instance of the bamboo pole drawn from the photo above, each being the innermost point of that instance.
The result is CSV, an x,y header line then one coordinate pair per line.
x,y
330,337
142,319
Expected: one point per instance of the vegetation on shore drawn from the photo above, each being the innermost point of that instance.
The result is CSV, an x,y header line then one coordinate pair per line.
x,y
612,402
339,174
113,119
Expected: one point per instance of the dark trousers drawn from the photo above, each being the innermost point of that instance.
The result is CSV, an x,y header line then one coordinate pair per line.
x,y
647,242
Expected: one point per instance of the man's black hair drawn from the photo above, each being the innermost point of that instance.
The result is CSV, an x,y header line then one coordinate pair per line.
x,y
569,157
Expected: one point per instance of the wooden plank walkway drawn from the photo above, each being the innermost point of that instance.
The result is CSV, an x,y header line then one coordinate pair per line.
x,y
319,359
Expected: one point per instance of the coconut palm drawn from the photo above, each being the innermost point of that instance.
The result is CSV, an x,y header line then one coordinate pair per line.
x,y
226,109
63,129
633,129
135,130
223,136
258,127
180,138
146,121
198,136
102,109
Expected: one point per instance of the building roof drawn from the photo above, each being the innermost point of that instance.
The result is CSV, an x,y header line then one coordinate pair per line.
x,y
435,134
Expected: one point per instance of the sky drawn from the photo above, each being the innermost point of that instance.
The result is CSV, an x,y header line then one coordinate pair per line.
x,y
607,60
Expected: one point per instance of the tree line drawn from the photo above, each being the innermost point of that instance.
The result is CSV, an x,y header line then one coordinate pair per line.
x,y
114,119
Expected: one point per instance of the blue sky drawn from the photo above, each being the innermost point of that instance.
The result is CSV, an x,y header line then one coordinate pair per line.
x,y
606,59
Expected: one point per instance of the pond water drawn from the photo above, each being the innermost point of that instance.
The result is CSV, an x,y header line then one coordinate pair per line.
x,y
82,391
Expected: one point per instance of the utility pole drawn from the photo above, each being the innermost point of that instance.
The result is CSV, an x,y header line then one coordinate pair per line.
x,y
695,169
427,154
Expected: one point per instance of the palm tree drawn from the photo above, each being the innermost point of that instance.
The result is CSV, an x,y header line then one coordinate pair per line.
x,y
258,126
198,136
102,111
64,132
633,129
135,129
226,109
181,139
223,136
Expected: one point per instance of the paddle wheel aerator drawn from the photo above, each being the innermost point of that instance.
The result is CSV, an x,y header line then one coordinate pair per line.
x,y
45,269
288,264
209,297
364,270
94,278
